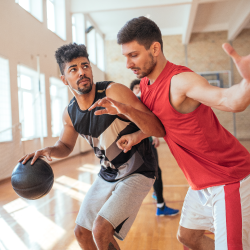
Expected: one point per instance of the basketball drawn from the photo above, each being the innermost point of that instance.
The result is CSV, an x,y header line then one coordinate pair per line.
x,y
32,181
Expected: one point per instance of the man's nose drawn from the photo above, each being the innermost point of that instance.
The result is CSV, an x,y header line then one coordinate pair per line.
x,y
129,64
81,71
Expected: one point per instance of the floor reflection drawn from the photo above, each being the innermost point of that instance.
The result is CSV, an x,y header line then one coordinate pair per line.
x,y
35,224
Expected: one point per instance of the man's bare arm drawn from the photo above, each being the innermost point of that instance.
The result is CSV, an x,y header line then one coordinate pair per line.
x,y
62,148
121,101
233,99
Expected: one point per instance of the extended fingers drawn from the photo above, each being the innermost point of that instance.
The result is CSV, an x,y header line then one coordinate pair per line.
x,y
101,112
21,159
26,158
99,103
231,51
36,156
41,153
94,105
110,100
47,155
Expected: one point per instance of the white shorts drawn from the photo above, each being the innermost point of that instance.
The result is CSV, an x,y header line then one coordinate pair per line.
x,y
223,210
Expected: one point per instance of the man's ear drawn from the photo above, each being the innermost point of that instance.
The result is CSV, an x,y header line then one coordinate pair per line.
x,y
64,80
155,48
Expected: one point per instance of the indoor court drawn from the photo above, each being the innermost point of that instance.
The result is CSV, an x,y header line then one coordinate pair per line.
x,y
33,99
48,223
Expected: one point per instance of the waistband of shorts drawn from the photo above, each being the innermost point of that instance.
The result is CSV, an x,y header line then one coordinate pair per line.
x,y
248,176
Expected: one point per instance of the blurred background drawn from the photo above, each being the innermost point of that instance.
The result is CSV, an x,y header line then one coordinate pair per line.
x,y
32,97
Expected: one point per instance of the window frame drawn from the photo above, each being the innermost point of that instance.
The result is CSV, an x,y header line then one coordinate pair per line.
x,y
58,84
31,11
24,70
10,104
59,18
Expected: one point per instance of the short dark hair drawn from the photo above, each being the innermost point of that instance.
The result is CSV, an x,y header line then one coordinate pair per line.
x,y
68,52
134,82
140,29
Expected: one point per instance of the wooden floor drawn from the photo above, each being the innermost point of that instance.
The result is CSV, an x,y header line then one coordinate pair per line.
x,y
48,223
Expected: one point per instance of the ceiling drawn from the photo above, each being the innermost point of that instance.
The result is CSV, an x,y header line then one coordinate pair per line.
x,y
174,17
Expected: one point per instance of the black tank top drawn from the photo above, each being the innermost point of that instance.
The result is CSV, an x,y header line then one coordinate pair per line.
x,y
102,132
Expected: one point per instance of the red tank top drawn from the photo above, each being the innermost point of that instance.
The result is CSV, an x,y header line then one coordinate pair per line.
x,y
205,151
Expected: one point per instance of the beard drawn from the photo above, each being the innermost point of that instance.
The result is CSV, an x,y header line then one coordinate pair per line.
x,y
147,68
84,90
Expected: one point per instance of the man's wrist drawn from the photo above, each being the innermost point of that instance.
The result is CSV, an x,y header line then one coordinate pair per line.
x,y
141,135
127,110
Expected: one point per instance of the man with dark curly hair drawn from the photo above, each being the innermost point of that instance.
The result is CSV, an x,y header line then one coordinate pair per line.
x,y
112,203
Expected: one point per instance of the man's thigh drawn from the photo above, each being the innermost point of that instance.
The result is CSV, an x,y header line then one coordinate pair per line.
x,y
123,205
117,202
97,195
227,214
189,236
194,215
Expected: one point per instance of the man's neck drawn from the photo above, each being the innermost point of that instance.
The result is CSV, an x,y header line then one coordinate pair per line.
x,y
160,65
86,100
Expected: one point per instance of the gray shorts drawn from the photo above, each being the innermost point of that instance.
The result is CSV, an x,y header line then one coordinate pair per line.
x,y
117,202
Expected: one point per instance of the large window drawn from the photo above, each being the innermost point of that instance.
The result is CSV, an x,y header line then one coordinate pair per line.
x,y
100,51
32,103
51,15
35,7
59,100
78,29
95,45
91,43
95,41
56,21
5,102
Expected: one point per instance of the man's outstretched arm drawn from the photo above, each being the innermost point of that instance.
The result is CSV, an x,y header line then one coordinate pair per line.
x,y
233,99
191,85
121,101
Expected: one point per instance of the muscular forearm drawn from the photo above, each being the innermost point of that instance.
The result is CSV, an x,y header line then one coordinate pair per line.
x,y
60,150
133,110
148,123
238,96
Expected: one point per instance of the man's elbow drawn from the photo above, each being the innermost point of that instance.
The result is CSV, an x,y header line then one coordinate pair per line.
x,y
66,149
238,104
239,108
162,133
158,132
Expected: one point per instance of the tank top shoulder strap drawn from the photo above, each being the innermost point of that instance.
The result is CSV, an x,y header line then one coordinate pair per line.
x,y
72,108
101,89
102,86
177,69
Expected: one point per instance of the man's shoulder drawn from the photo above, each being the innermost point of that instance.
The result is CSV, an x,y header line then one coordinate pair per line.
x,y
102,85
172,69
72,101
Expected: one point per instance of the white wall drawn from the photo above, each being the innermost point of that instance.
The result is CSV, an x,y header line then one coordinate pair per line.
x,y
23,37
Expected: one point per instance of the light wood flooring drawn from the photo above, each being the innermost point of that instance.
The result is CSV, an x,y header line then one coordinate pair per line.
x,y
48,223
